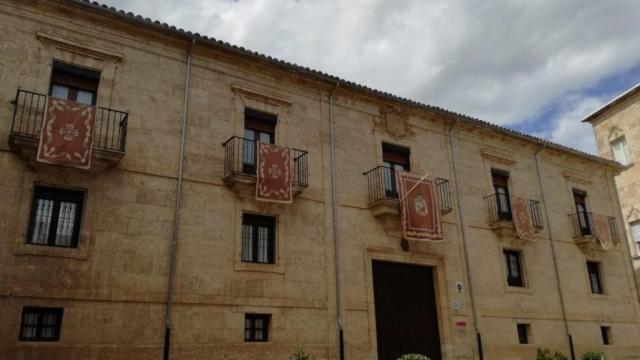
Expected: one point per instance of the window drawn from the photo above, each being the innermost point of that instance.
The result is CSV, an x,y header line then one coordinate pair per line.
x,y
258,126
513,263
500,185
74,83
55,217
524,331
635,234
595,277
40,324
580,200
606,335
256,327
394,158
620,151
258,239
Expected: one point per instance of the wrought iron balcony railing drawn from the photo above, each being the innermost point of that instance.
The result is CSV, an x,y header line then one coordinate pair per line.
x,y
240,159
584,225
28,113
499,205
382,185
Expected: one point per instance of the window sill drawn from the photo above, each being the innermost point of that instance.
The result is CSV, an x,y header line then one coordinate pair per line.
x,y
518,290
276,268
78,253
604,296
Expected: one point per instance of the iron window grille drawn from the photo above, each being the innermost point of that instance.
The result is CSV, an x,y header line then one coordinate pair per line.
x,y
595,277
500,210
513,264
523,333
40,324
258,239
55,217
256,327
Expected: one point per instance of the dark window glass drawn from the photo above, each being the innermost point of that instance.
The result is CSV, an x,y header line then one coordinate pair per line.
x,y
74,83
523,333
513,263
258,239
580,200
260,127
501,188
40,324
256,327
595,277
606,335
394,158
55,217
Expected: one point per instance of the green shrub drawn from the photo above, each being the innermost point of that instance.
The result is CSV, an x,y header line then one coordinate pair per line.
x,y
593,356
299,354
413,357
546,354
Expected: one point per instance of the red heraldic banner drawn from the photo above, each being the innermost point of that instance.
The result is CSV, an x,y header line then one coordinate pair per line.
x,y
419,208
521,218
601,224
66,137
274,174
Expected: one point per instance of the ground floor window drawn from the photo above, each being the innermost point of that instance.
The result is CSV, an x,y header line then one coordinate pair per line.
x,y
40,324
524,331
256,327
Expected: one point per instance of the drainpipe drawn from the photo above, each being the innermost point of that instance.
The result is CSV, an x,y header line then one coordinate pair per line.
x,y
553,253
465,242
176,217
336,238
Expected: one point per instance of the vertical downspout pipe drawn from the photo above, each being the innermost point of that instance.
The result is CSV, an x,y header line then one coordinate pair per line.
x,y
465,242
176,217
553,252
336,237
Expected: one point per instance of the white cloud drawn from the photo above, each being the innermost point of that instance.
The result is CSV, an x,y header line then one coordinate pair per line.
x,y
503,61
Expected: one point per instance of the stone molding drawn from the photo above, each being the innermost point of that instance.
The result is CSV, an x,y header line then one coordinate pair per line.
x,y
75,46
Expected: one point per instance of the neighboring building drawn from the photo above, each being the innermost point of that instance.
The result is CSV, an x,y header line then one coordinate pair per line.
x,y
617,129
86,255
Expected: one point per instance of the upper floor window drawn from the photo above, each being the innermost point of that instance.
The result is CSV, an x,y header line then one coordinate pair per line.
x,y
580,201
394,158
256,327
513,264
258,126
635,234
501,188
595,277
40,324
74,83
258,238
55,217
620,151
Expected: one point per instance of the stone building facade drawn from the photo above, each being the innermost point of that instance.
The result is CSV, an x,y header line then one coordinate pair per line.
x,y
617,129
324,271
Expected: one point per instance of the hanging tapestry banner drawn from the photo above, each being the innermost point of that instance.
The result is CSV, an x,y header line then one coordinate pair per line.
x,y
66,137
274,174
521,218
602,231
420,213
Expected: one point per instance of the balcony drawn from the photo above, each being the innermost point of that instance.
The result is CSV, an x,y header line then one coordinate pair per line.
x,y
28,113
383,194
584,229
501,217
240,165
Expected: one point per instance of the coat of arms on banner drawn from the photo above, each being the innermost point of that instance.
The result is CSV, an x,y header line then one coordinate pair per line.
x,y
66,137
521,218
274,174
420,213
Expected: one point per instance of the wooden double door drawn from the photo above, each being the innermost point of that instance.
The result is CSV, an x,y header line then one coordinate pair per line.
x,y
406,313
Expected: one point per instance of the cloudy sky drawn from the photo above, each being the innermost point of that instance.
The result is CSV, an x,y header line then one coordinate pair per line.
x,y
536,66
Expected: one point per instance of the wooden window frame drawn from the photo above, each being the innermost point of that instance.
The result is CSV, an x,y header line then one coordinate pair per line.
x,y
40,312
57,195
256,221
266,320
394,155
597,266
75,78
514,281
500,180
